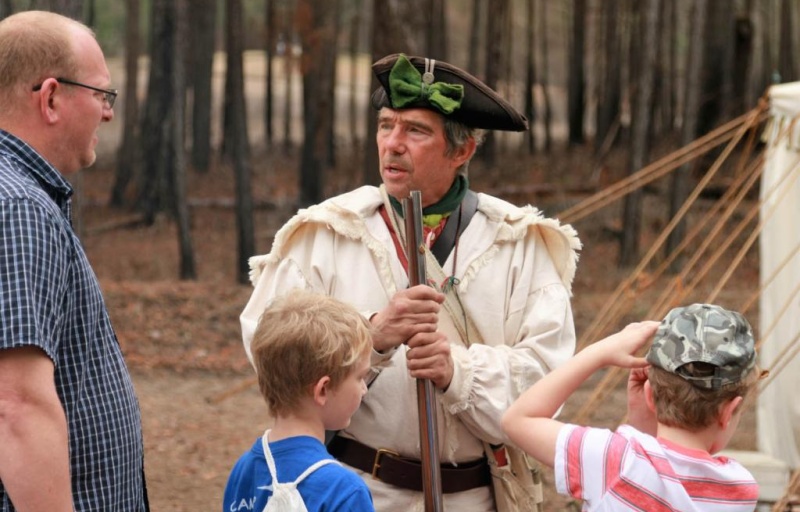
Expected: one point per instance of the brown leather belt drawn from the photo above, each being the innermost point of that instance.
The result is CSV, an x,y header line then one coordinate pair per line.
x,y
389,467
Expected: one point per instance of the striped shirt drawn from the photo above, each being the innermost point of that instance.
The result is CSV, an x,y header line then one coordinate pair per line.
x,y
628,470
50,299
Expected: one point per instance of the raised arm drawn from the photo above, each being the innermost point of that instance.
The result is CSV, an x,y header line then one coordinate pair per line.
x,y
528,422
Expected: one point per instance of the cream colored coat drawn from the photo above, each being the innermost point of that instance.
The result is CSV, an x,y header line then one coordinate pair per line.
x,y
515,269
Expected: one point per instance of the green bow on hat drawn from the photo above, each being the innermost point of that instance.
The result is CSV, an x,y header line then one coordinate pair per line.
x,y
407,86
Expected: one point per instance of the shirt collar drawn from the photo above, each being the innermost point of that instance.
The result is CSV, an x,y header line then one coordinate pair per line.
x,y
35,166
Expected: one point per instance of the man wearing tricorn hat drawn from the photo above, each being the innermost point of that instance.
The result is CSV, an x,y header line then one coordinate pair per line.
x,y
496,317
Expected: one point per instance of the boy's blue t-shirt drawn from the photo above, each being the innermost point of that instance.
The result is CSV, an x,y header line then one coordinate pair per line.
x,y
330,488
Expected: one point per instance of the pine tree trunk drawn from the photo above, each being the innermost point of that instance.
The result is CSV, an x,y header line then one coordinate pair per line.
x,y
694,77
544,77
187,263
355,30
576,79
288,71
640,143
437,32
127,154
495,32
6,9
717,89
269,52
316,25
475,37
155,134
203,18
530,76
787,57
610,98
238,137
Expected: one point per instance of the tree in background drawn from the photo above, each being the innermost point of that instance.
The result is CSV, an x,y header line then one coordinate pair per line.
x,y
128,154
495,32
577,82
665,92
288,45
544,74
233,106
236,139
162,166
202,31
270,41
71,8
718,64
156,136
317,29
330,157
530,75
178,80
788,67
694,72
477,21
355,50
6,8
640,133
436,37
609,98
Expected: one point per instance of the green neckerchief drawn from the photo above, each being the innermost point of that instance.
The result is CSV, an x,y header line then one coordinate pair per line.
x,y
433,214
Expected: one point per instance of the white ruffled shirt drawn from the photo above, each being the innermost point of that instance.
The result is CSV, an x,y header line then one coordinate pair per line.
x,y
515,269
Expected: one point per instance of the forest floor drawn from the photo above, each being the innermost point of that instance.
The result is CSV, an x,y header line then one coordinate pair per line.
x,y
181,339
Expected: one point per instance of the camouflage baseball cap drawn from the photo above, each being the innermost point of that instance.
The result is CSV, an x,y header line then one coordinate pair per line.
x,y
704,333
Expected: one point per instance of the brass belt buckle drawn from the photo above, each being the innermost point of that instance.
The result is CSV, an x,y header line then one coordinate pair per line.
x,y
377,463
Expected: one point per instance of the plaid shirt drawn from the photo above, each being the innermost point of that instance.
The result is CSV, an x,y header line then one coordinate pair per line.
x,y
50,298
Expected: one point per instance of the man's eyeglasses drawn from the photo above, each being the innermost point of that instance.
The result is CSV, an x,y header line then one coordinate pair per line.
x,y
109,95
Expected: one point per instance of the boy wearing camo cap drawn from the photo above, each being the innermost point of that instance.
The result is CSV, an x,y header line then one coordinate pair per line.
x,y
684,404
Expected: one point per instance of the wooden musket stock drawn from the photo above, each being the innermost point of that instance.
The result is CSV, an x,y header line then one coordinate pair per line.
x,y
426,397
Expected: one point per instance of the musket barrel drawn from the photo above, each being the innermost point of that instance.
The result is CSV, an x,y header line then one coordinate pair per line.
x,y
426,393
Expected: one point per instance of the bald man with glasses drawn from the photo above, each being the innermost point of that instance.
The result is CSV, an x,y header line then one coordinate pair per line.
x,y
70,424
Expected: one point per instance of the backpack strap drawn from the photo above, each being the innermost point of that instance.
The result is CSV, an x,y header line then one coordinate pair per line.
x,y
268,455
315,467
274,472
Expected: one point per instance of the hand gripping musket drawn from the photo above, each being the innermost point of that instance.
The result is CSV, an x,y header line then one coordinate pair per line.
x,y
426,397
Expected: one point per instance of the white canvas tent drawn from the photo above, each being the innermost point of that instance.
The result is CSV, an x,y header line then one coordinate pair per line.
x,y
778,412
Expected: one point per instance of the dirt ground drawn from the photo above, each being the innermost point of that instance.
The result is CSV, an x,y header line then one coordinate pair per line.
x,y
181,338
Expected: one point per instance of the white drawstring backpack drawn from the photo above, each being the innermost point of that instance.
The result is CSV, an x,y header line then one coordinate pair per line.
x,y
285,496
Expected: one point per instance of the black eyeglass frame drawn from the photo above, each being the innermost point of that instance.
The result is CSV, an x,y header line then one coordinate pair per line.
x,y
109,95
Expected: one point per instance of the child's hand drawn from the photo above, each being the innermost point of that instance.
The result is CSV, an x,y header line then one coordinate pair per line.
x,y
620,349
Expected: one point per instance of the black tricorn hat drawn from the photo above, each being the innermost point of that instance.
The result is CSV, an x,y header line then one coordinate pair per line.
x,y
480,106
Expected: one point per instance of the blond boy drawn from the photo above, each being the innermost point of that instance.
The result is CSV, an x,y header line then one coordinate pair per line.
x,y
681,412
311,354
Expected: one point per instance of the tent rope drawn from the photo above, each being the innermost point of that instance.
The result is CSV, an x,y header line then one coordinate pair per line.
x,y
746,179
731,200
789,496
775,273
604,318
665,165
